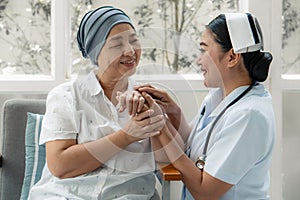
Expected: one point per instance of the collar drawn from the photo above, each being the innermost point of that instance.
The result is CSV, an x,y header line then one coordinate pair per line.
x,y
257,89
94,86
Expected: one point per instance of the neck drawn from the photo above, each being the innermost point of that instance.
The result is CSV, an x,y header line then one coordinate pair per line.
x,y
111,85
237,82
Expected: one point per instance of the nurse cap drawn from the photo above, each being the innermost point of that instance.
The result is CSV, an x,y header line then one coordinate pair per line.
x,y
95,27
244,31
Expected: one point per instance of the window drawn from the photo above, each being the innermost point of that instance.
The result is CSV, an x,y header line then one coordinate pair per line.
x,y
25,37
291,38
290,93
50,59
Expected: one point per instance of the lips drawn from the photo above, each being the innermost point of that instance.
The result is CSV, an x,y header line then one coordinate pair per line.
x,y
128,62
204,71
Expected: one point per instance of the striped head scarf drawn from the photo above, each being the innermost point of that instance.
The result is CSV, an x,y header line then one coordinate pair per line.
x,y
95,27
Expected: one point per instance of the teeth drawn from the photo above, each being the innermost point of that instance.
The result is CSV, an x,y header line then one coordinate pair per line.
x,y
128,62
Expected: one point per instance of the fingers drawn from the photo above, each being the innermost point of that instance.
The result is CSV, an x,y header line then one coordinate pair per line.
x,y
140,104
143,85
135,103
153,92
153,127
154,124
148,98
132,101
129,101
143,115
121,97
151,124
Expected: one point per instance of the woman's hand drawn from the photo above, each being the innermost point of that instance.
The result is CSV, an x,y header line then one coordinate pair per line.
x,y
133,101
145,124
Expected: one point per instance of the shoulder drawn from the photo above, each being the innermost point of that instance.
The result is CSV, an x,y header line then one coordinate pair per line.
x,y
62,88
255,110
61,94
254,117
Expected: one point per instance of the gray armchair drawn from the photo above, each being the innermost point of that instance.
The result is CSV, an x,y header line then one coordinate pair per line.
x,y
13,144
12,156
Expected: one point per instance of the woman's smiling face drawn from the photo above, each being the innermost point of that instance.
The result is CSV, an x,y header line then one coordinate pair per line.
x,y
121,52
211,60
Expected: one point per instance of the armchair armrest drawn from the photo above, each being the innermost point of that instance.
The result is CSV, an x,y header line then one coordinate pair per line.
x,y
168,173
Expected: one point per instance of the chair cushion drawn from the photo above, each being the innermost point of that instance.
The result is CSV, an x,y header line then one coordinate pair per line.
x,y
34,153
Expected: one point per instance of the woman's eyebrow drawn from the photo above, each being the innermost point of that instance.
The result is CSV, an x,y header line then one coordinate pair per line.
x,y
132,35
115,38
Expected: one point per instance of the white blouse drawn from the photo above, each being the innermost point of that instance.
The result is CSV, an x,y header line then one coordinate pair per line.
x,y
80,110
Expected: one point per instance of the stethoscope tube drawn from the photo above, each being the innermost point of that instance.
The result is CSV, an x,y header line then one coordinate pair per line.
x,y
202,159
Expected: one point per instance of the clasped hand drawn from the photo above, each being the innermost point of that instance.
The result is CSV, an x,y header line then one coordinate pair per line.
x,y
147,118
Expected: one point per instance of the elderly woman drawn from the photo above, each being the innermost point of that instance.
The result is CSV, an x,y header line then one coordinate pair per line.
x,y
92,150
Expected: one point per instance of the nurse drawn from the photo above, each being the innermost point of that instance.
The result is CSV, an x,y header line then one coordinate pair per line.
x,y
228,146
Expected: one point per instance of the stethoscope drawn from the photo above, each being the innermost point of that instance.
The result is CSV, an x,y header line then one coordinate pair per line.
x,y
201,159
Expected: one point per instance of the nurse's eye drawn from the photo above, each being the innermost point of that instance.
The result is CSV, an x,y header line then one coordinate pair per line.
x,y
134,41
202,51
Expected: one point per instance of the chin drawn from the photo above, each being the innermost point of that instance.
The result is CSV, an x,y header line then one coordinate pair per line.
x,y
130,72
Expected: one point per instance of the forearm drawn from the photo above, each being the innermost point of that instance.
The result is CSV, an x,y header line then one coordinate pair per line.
x,y
158,148
159,153
78,159
199,183
180,123
191,175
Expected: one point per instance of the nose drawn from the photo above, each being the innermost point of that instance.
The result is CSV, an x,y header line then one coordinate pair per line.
x,y
129,50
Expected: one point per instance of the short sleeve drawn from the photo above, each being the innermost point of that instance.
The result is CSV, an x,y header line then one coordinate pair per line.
x,y
61,120
241,143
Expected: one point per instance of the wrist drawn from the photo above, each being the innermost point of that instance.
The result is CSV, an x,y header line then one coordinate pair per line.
x,y
128,139
174,109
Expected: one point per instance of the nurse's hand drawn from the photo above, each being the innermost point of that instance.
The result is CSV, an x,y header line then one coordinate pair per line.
x,y
133,101
161,97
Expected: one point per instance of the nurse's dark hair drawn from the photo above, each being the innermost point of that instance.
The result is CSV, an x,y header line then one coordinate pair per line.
x,y
257,62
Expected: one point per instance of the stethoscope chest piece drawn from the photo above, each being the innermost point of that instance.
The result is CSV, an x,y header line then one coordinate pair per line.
x,y
200,163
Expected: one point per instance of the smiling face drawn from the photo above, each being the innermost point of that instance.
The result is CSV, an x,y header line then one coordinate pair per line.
x,y
121,52
212,61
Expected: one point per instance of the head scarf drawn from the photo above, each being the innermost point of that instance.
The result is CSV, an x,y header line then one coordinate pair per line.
x,y
244,31
95,27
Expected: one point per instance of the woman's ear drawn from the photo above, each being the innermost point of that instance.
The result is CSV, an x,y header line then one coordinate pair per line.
x,y
234,58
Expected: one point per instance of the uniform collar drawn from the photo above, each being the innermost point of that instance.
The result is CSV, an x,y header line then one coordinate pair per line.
x,y
258,89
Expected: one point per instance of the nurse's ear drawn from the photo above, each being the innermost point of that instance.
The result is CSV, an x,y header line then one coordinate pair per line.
x,y
233,58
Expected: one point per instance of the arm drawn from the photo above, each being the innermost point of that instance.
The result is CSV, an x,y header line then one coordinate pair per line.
x,y
67,159
158,148
200,184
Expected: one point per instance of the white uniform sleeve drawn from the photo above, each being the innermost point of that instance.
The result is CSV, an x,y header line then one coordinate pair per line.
x,y
60,120
242,143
